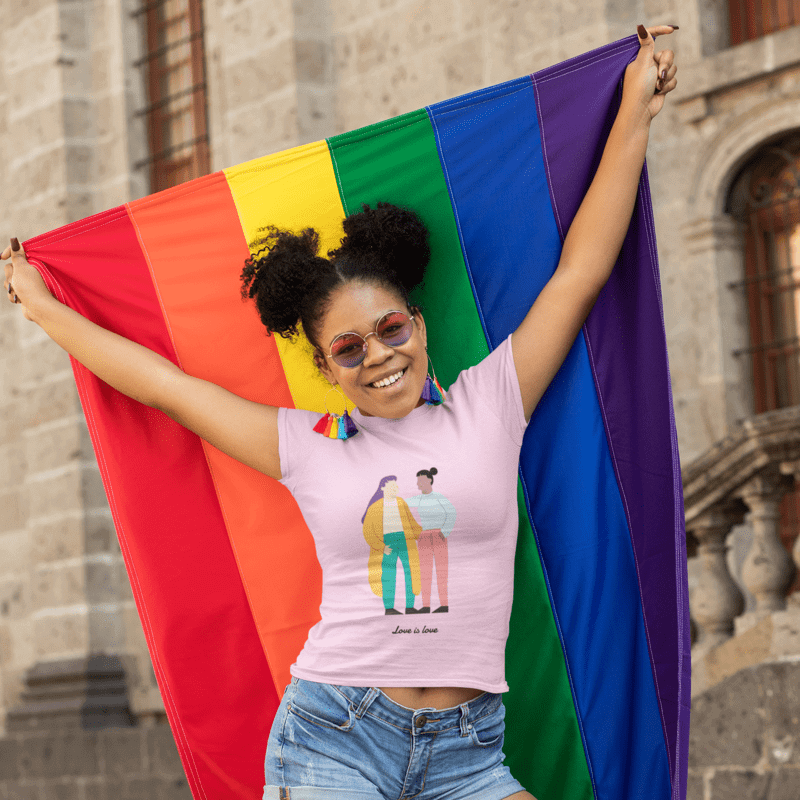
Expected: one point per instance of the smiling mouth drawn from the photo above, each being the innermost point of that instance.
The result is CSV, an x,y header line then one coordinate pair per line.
x,y
388,381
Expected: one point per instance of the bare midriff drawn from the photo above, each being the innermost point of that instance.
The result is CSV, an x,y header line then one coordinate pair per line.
x,y
434,697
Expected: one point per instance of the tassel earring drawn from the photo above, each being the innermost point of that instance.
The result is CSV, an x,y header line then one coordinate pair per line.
x,y
336,426
432,392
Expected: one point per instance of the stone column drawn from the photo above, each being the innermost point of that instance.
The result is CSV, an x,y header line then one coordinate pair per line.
x,y
716,600
767,571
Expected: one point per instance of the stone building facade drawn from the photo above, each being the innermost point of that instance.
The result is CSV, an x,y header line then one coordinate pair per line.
x,y
281,73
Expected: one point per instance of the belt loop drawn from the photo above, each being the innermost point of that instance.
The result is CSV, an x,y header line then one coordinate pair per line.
x,y
284,793
366,701
464,717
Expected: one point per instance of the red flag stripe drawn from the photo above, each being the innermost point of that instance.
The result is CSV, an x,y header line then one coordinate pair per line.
x,y
96,267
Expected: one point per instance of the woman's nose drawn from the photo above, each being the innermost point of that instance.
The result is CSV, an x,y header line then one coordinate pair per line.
x,y
377,351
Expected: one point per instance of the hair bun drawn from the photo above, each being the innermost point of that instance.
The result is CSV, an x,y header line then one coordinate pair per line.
x,y
285,276
388,237
433,471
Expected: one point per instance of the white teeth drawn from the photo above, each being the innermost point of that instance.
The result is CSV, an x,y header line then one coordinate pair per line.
x,y
388,381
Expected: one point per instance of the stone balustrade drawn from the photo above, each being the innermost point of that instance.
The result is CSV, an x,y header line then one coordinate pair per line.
x,y
741,479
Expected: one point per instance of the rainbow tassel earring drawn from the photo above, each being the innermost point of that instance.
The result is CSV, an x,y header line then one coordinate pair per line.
x,y
336,426
432,392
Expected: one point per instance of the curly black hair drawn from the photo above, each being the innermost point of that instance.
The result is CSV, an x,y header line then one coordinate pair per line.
x,y
292,284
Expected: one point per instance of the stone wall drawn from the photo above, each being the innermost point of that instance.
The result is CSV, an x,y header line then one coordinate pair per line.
x,y
68,148
282,73
115,764
745,736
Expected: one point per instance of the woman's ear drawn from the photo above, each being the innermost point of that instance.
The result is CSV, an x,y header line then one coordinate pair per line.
x,y
324,368
420,323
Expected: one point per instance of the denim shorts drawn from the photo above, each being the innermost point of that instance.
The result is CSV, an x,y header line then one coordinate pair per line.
x,y
354,742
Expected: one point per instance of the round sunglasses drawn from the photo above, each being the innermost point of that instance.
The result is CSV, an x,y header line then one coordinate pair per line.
x,y
349,349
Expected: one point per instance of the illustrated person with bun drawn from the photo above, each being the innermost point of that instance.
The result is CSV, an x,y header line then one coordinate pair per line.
x,y
392,533
369,696
437,517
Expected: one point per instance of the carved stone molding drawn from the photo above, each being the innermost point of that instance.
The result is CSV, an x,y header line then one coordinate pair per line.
x,y
87,693
758,442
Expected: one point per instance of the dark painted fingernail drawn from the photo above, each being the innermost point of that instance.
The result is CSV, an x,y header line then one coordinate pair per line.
x,y
675,27
14,243
663,74
642,31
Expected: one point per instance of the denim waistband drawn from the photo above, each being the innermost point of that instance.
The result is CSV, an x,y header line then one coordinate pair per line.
x,y
421,720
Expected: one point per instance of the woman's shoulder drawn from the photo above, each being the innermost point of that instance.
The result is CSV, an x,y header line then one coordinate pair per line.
x,y
484,377
296,440
493,383
299,415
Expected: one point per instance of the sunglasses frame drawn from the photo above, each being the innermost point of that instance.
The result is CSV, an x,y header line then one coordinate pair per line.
x,y
410,317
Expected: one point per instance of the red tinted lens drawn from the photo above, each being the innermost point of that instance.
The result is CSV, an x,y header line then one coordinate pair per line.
x,y
347,350
394,329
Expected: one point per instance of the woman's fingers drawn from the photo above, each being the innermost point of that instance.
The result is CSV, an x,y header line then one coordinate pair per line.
x,y
669,86
661,30
664,59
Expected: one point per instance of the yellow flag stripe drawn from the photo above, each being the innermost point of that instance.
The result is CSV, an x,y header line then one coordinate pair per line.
x,y
293,190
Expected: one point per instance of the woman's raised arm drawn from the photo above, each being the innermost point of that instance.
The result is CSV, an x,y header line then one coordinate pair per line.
x,y
245,430
594,239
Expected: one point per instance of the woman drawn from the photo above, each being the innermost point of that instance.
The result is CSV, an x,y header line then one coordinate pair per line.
x,y
438,518
336,729
392,533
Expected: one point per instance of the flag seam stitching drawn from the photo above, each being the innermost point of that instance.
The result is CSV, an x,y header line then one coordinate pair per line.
x,y
578,715
546,160
458,226
155,284
578,68
77,231
479,103
338,179
557,621
680,535
464,98
178,358
591,57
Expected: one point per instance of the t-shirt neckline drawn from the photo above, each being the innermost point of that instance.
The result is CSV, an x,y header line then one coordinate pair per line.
x,y
377,423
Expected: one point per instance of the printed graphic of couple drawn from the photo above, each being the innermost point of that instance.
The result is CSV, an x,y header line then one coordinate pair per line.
x,y
392,532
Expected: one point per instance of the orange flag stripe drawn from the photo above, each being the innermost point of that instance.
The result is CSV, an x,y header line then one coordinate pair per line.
x,y
231,349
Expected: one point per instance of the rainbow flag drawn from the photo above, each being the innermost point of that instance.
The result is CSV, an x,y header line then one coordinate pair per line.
x,y
222,566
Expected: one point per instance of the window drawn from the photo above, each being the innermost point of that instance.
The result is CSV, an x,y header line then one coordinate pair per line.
x,y
765,198
174,67
752,19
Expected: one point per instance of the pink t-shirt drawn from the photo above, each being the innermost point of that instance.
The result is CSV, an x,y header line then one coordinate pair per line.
x,y
473,440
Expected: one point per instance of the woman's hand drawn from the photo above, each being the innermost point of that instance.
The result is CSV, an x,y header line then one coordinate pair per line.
x,y
651,76
22,282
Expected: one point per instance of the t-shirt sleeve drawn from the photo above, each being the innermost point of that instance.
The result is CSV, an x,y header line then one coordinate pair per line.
x,y
494,380
296,442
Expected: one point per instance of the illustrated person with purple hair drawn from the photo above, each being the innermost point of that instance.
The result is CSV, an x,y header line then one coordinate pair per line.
x,y
391,532
438,517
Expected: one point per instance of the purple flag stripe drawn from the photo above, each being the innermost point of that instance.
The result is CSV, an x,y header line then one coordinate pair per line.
x,y
625,338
